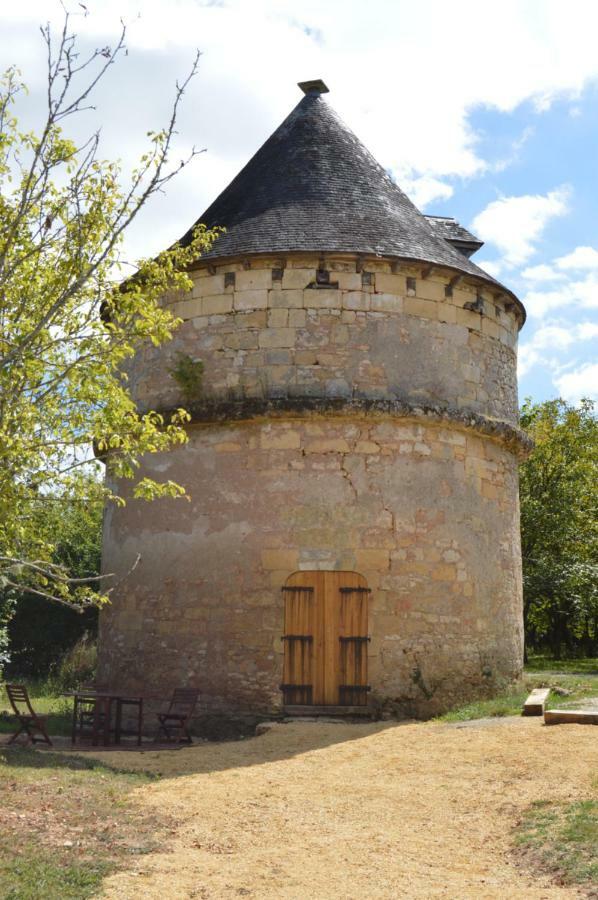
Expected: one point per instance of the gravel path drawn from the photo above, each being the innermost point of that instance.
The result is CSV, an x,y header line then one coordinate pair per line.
x,y
313,811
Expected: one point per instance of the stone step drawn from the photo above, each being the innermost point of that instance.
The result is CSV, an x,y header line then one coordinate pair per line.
x,y
310,711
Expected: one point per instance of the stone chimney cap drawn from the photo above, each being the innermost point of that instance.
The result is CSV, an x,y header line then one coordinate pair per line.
x,y
313,87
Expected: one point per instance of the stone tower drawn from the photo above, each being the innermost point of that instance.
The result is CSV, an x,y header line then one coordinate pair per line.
x,y
352,538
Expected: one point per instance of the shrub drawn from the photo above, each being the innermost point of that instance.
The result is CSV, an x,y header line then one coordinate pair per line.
x,y
77,666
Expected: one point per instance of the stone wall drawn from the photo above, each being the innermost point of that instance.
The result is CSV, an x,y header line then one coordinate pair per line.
x,y
428,514
270,331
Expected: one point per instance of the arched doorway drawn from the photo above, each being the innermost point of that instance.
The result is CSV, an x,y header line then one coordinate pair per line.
x,y
325,639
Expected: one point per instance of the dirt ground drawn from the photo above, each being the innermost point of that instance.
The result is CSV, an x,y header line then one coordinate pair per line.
x,y
311,810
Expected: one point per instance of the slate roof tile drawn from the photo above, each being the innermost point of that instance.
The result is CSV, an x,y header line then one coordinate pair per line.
x,y
313,186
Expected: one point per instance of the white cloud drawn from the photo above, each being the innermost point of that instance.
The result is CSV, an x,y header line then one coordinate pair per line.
x,y
514,224
411,108
493,266
554,337
423,190
580,258
580,383
582,293
541,273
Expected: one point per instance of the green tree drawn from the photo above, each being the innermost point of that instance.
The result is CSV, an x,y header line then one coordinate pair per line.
x,y
559,527
68,321
40,632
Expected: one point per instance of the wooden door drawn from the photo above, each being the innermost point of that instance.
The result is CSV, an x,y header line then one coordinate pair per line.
x,y
326,637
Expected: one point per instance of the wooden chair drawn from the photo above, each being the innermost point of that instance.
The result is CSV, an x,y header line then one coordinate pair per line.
x,y
174,722
29,721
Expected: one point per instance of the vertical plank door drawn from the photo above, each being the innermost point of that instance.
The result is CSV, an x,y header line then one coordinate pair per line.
x,y
326,635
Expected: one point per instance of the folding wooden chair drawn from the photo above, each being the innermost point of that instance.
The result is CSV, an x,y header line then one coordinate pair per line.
x,y
29,721
174,722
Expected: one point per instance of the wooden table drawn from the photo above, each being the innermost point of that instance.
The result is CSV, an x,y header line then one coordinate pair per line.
x,y
102,703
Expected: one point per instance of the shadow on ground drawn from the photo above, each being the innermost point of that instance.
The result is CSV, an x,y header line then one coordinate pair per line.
x,y
201,757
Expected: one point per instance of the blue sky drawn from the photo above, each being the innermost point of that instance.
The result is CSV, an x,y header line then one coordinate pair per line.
x,y
550,150
488,112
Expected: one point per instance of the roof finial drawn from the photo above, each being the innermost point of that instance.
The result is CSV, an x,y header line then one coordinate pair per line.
x,y
313,87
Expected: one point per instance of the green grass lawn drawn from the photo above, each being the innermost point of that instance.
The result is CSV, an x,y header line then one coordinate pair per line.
x,y
56,708
65,823
561,839
585,666
571,681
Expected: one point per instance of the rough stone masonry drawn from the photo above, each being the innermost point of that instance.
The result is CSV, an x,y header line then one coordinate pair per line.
x,y
358,412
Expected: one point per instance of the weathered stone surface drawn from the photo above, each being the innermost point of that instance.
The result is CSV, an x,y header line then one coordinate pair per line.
x,y
369,430
444,565
342,343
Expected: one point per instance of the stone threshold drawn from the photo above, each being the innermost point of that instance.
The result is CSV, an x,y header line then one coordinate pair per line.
x,y
316,711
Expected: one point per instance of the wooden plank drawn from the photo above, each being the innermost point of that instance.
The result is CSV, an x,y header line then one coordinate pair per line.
x,y
298,620
334,581
320,645
567,716
535,703
353,623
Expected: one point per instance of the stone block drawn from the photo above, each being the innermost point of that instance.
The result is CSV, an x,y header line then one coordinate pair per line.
x,y
286,299
490,328
430,289
340,334
280,560
444,572
257,318
187,309
298,278
208,285
279,357
390,283
372,559
279,318
356,300
297,318
331,445
447,312
217,305
425,309
469,318
272,338
463,295
228,447
253,280
367,447
306,358
247,340
322,298
280,439
386,303
257,299
347,281
489,491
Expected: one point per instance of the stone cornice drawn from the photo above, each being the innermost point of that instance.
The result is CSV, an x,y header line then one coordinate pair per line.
x,y
231,411
479,278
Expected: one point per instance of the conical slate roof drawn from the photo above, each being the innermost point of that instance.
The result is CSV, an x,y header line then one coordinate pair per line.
x,y
313,186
